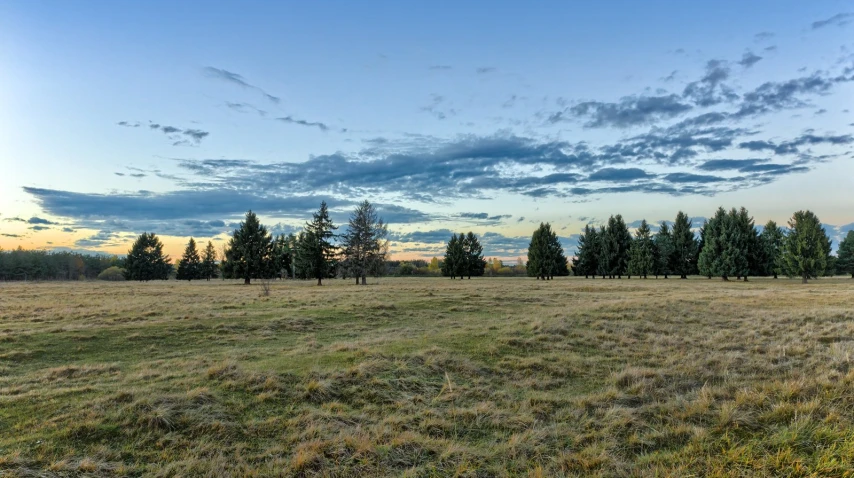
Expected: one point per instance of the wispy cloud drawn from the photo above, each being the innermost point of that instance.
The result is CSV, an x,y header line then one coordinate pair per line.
x,y
840,19
236,79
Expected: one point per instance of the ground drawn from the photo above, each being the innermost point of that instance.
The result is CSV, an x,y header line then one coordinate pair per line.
x,y
428,377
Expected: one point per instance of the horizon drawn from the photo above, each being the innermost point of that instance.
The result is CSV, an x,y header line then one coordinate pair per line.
x,y
477,117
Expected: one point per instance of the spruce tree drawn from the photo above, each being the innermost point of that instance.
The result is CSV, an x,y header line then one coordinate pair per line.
x,y
663,246
771,242
641,256
587,254
620,242
729,245
545,254
450,265
683,260
249,253
190,267
320,251
845,255
805,248
145,260
209,267
283,256
475,263
607,253
363,242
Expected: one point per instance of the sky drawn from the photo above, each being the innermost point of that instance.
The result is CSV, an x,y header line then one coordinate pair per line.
x,y
118,118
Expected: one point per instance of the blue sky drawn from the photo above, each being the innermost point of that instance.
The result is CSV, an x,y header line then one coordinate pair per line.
x,y
119,118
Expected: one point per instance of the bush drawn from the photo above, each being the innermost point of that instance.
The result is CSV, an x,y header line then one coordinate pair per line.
x,y
112,274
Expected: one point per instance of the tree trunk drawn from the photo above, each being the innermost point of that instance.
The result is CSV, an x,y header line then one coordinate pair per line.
x,y
587,276
725,278
804,280
319,281
357,280
245,281
665,276
775,275
745,278
364,280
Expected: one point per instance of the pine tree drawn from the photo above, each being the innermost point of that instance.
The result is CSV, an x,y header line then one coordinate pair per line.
x,y
249,253
684,258
663,250
805,248
607,253
319,250
190,267
587,254
283,256
771,242
449,265
845,255
545,254
209,267
730,245
145,261
641,256
363,242
474,256
620,242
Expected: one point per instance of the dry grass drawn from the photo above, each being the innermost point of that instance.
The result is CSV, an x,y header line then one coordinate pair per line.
x,y
428,377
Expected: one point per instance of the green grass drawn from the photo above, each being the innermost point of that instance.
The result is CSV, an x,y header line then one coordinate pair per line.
x,y
428,377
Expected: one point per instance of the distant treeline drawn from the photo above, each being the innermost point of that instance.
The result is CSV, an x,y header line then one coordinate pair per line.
x,y
20,264
729,245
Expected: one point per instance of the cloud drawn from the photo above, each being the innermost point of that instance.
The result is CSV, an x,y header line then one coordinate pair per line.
x,y
14,219
128,125
484,218
39,228
482,70
763,36
245,108
238,80
692,178
315,124
11,235
618,174
795,145
38,220
840,19
175,133
749,59
629,111
710,90
434,108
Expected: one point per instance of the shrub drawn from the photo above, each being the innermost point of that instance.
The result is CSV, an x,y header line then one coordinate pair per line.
x,y
112,274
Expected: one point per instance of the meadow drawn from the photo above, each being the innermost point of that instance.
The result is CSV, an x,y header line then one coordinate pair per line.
x,y
428,377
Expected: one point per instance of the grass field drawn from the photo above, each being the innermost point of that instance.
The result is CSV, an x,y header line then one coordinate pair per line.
x,y
428,377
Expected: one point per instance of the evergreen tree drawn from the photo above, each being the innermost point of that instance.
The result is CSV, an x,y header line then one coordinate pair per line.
x,y
607,253
545,254
771,242
190,267
586,259
730,244
145,260
620,242
364,240
320,252
209,267
805,248
747,239
475,263
663,250
845,255
249,253
283,256
684,258
455,262
641,256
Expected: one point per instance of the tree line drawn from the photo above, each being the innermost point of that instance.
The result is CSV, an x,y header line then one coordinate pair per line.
x,y
20,264
729,245
252,252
